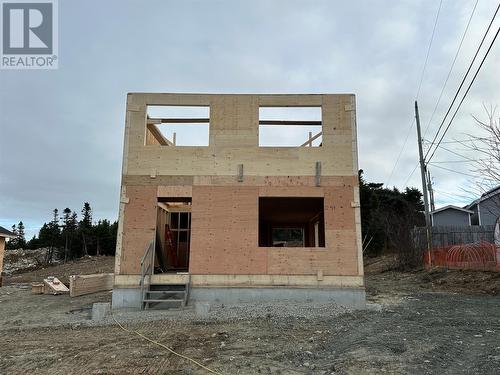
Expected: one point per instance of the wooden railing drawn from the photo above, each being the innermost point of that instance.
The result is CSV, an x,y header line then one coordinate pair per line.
x,y
147,266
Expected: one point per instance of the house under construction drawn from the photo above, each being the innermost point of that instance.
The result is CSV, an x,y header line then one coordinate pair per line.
x,y
223,216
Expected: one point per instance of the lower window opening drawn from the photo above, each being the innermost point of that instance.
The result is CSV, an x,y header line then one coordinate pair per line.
x,y
291,222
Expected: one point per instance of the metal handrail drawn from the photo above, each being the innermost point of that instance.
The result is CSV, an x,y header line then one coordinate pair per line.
x,y
147,266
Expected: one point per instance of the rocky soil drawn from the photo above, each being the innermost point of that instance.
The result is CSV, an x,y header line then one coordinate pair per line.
x,y
417,324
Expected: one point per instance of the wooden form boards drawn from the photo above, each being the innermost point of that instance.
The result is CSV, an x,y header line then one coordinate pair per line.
x,y
54,286
80,285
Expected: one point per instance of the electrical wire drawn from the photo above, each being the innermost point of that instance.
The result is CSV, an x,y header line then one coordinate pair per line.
x,y
449,161
411,174
463,81
166,347
429,49
400,152
465,95
418,92
454,171
453,194
451,68
456,153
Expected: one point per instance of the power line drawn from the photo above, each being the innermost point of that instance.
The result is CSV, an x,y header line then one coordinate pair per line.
x,y
429,49
463,81
461,141
454,171
401,151
456,153
466,92
449,161
411,174
451,68
418,92
452,194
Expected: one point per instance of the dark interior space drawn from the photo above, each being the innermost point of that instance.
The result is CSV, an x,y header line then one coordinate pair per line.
x,y
173,235
291,222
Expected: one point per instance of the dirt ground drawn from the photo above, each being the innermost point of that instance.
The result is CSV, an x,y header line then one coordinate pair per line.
x,y
419,323
83,266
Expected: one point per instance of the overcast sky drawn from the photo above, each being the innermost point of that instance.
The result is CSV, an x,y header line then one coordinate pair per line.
x,y
61,131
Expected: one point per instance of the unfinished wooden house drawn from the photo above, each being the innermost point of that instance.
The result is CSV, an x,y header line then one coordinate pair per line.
x,y
221,202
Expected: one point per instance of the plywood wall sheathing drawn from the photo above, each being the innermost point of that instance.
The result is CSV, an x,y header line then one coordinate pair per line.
x,y
224,237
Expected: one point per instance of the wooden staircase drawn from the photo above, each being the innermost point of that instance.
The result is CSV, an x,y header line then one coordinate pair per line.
x,y
171,295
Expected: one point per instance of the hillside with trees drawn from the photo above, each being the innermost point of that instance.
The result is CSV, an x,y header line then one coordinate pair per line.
x,y
387,219
68,236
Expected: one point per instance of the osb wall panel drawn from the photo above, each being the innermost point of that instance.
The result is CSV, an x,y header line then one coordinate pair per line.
x,y
139,224
340,255
224,231
172,182
2,249
175,191
224,237
234,137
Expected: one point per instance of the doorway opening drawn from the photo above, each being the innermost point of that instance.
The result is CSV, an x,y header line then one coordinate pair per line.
x,y
173,235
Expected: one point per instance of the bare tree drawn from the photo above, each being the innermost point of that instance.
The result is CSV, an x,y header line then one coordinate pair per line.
x,y
486,164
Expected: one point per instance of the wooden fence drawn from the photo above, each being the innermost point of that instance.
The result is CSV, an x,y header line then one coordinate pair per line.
x,y
444,236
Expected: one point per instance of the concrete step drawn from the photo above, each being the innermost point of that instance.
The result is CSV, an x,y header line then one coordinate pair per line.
x,y
163,300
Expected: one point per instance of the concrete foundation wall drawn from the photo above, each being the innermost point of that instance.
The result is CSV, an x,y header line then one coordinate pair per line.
x,y
348,297
2,251
126,298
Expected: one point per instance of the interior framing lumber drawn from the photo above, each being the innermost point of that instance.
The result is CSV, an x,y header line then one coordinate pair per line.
x,y
311,139
158,136
290,122
182,120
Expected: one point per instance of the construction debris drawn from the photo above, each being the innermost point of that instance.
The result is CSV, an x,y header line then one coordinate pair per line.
x,y
52,285
37,288
80,285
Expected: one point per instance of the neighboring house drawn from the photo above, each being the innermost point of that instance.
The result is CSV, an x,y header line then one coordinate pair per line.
x,y
486,209
4,234
451,215
234,220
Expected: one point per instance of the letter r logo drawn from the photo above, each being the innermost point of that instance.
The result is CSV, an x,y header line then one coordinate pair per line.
x,y
27,28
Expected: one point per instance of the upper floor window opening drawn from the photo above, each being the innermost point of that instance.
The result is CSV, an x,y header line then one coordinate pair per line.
x,y
290,127
168,125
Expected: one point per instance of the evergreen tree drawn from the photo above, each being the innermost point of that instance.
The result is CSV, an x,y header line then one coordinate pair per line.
x,y
20,239
12,243
53,236
85,227
33,244
69,228
382,210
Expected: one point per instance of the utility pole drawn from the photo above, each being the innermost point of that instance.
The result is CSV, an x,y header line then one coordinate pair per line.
x,y
431,190
424,185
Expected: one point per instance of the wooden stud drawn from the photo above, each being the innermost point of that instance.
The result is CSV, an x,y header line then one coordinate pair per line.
x,y
311,139
240,172
318,173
